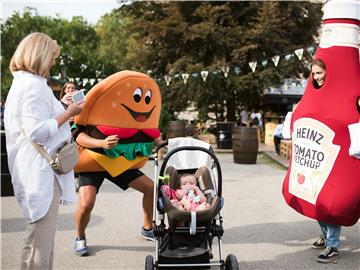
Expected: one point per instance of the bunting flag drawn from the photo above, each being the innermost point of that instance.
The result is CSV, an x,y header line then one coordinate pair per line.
x,y
288,56
237,70
311,51
275,59
185,77
299,53
253,65
225,70
167,79
85,81
204,74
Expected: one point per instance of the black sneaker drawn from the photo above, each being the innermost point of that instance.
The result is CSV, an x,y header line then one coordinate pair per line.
x,y
147,234
320,243
329,254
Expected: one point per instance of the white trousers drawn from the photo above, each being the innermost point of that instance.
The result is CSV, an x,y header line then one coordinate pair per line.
x,y
38,251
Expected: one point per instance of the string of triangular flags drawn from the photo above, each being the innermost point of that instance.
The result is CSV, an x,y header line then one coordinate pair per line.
x,y
225,70
81,82
299,53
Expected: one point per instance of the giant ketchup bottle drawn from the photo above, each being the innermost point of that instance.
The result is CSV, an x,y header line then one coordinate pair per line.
x,y
323,180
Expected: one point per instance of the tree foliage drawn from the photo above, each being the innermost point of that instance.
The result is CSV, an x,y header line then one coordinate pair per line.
x,y
174,37
77,39
189,37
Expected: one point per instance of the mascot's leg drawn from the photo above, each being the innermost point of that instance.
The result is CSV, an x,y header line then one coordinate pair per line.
x,y
87,197
146,186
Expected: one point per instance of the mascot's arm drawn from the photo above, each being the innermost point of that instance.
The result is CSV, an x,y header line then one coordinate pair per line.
x,y
87,141
354,130
286,132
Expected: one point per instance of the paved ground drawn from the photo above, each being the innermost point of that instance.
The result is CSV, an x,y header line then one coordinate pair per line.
x,y
260,229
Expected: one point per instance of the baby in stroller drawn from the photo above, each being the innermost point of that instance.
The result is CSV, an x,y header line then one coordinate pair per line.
x,y
188,195
187,206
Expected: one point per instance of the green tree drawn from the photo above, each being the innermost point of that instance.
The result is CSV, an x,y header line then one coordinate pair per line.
x,y
114,41
192,36
77,39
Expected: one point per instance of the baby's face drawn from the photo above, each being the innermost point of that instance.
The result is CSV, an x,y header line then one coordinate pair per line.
x,y
188,180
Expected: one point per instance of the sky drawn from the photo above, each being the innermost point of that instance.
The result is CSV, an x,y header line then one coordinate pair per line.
x,y
91,10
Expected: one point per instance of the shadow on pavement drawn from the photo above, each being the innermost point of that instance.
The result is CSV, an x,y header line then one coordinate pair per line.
x,y
65,222
288,233
95,249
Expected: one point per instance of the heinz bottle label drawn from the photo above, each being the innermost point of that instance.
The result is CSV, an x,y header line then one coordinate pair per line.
x,y
313,157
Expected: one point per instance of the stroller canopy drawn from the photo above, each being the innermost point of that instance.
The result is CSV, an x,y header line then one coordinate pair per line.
x,y
188,159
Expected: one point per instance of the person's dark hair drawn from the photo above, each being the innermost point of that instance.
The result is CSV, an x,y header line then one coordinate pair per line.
x,y
320,63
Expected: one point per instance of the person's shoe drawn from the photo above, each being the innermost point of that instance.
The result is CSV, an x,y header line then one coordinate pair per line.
x,y
328,255
320,243
147,234
81,248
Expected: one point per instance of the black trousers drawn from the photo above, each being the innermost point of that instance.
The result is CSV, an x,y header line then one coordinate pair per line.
x,y
277,141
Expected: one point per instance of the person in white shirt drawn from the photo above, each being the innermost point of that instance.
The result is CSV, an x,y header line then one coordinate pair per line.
x,y
32,110
277,137
244,117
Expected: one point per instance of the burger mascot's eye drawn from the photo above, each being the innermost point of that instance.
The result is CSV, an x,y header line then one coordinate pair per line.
x,y
148,97
137,95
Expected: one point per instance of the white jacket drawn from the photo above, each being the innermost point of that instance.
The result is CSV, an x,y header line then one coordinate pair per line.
x,y
31,106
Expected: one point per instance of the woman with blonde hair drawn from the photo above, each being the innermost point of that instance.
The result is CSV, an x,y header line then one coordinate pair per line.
x,y
34,115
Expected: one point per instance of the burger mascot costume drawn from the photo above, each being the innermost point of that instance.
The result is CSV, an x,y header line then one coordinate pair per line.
x,y
126,104
323,180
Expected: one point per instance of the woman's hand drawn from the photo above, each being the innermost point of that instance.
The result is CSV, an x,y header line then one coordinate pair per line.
x,y
110,142
67,98
74,109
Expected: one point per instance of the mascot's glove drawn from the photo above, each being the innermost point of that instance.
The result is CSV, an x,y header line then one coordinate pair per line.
x,y
354,149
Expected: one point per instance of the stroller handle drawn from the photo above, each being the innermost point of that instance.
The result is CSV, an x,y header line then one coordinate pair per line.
x,y
193,148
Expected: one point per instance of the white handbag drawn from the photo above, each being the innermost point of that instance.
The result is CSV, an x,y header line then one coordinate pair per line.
x,y
65,158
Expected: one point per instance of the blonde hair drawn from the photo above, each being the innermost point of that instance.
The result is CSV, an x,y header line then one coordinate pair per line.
x,y
35,54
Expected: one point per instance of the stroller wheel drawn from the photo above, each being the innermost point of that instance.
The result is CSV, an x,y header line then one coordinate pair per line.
x,y
231,262
149,262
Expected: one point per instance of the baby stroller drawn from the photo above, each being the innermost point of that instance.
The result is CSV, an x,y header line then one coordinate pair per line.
x,y
184,238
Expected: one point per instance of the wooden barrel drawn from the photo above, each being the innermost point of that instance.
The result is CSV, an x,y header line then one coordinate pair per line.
x,y
245,145
176,129
6,185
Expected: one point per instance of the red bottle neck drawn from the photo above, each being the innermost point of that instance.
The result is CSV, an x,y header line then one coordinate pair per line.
x,y
349,21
